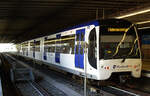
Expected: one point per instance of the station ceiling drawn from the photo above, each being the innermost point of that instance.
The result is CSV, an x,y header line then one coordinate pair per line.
x,y
22,20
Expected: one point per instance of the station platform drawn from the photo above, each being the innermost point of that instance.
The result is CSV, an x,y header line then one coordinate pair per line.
x,y
146,67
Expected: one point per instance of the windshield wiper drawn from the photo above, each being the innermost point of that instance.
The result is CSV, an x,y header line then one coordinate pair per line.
x,y
133,46
123,38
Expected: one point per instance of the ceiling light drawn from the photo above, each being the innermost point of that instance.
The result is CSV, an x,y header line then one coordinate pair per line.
x,y
143,28
134,13
143,22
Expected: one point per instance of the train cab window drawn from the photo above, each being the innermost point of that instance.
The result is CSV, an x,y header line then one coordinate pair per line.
x,y
110,47
92,53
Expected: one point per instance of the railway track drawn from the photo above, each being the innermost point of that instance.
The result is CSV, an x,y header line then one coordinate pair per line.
x,y
102,91
119,91
8,87
34,89
42,91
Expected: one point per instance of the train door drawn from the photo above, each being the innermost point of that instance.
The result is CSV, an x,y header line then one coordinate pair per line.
x,y
79,49
57,53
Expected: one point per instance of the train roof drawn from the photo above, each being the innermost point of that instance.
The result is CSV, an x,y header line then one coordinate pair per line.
x,y
102,22
94,22
111,22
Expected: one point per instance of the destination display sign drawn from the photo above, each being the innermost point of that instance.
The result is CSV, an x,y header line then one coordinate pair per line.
x,y
117,29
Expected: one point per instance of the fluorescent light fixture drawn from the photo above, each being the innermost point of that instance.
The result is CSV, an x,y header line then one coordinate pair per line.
x,y
133,14
143,22
143,28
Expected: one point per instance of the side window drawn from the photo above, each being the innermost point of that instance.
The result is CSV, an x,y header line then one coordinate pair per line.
x,y
31,46
67,44
92,49
25,47
37,46
49,45
58,43
18,46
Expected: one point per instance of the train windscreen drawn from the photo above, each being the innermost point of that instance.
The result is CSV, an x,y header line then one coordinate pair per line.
x,y
118,42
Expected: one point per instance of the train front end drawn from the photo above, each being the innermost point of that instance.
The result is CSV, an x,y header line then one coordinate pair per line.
x,y
119,49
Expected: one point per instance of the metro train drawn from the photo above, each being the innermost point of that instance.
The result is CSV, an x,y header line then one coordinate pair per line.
x,y
97,48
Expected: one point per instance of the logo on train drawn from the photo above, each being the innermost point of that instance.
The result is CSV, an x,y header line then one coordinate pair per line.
x,y
120,66
114,66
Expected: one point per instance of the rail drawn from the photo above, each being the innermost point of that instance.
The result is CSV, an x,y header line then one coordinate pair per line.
x,y
42,91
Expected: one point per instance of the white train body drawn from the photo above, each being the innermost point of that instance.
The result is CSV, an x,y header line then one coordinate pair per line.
x,y
67,51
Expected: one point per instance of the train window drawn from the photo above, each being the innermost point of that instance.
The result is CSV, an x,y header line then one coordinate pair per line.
x,y
64,49
81,47
82,36
25,44
49,45
78,42
82,43
77,37
24,47
67,44
58,43
31,46
77,48
37,46
18,46
72,47
51,49
46,49
58,48
92,49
